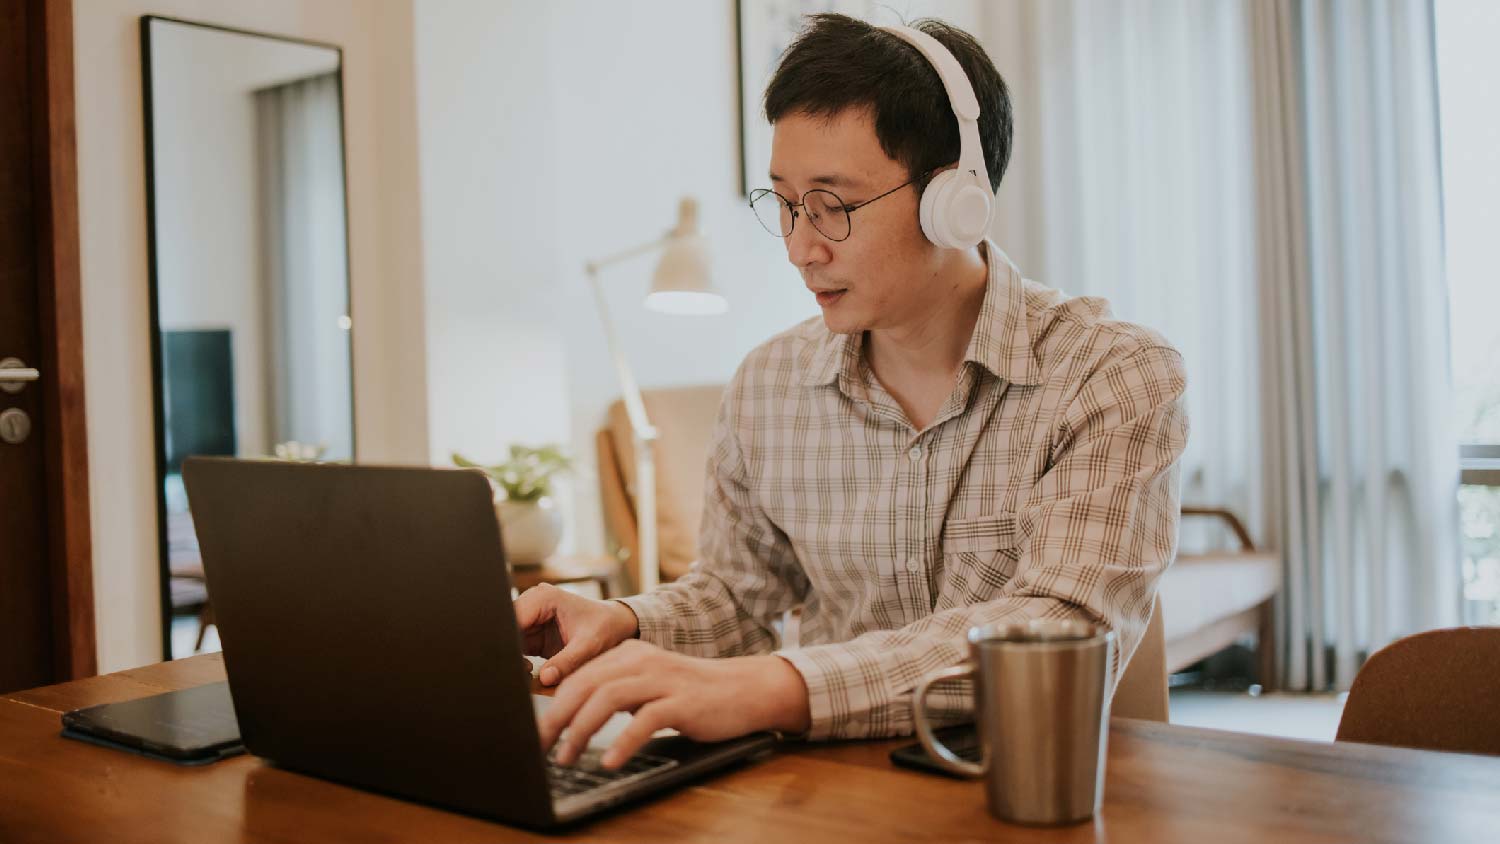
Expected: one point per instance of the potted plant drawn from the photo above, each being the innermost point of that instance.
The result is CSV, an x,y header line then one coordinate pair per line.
x,y
530,524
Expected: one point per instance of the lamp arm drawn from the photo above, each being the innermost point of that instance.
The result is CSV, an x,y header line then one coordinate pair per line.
x,y
640,425
593,267
635,406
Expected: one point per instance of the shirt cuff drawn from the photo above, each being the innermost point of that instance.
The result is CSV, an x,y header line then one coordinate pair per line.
x,y
652,620
832,710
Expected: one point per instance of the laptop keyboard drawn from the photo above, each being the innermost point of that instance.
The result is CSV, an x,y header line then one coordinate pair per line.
x,y
587,774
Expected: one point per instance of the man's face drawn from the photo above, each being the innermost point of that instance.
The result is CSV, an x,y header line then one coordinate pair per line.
x,y
879,276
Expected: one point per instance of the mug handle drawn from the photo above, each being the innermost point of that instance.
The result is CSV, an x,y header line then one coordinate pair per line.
x,y
939,752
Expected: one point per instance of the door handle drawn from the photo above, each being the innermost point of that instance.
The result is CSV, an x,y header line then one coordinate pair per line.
x,y
15,375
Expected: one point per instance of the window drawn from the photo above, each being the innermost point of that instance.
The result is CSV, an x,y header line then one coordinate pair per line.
x,y
1468,65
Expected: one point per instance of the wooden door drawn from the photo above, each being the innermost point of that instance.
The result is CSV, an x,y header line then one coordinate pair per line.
x,y
46,581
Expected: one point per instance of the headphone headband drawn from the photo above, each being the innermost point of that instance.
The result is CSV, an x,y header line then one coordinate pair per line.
x,y
960,96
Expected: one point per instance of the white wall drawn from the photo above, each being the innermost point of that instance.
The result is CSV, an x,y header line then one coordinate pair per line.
x,y
552,133
385,269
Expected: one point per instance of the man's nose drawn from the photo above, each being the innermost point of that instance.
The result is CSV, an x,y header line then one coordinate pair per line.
x,y
805,246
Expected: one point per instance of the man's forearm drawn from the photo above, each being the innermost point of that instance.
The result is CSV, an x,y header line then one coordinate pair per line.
x,y
698,615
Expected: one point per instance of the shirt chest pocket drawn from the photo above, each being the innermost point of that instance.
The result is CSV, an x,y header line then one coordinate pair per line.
x,y
979,557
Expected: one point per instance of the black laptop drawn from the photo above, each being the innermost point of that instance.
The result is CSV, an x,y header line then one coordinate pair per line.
x,y
369,638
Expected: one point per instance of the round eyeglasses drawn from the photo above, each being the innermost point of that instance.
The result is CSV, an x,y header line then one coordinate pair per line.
x,y
823,208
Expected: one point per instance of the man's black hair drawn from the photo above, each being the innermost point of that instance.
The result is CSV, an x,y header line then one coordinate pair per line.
x,y
838,62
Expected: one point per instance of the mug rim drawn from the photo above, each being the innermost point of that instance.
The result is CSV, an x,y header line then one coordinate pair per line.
x,y
1056,632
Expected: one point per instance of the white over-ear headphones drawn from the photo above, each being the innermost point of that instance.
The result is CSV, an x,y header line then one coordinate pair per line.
x,y
957,204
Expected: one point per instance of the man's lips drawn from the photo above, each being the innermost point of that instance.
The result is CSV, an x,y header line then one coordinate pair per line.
x,y
828,297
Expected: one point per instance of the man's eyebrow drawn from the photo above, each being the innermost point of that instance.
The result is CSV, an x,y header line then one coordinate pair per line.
x,y
832,180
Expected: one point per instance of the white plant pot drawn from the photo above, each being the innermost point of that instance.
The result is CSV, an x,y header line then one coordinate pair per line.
x,y
529,530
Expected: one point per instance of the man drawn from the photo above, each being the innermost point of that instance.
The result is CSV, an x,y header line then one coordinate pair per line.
x,y
949,445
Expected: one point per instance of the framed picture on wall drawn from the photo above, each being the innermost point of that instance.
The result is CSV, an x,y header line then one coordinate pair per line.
x,y
766,28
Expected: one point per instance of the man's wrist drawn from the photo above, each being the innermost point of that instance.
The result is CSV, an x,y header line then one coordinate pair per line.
x,y
630,623
790,711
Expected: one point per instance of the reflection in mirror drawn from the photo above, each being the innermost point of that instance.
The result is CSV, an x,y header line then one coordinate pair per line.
x,y
249,270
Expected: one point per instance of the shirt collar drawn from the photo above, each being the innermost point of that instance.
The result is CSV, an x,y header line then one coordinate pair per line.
x,y
1001,342
1002,338
839,353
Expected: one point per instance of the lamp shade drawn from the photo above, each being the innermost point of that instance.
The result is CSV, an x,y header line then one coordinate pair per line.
x,y
681,284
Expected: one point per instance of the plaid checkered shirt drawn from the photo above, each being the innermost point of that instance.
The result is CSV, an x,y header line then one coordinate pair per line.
x,y
1046,487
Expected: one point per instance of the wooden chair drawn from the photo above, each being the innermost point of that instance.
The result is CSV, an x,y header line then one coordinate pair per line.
x,y
1142,690
1438,690
684,421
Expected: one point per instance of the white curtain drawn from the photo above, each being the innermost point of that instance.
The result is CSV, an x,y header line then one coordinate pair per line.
x,y
1132,179
1361,456
301,160
1258,180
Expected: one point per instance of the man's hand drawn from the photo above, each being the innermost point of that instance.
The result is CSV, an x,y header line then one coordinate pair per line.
x,y
704,699
569,630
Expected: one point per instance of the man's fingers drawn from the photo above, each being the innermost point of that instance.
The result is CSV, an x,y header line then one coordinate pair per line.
x,y
543,641
572,694
535,607
536,617
616,696
565,703
566,661
626,657
647,720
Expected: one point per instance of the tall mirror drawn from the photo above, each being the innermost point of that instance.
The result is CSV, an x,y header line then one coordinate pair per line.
x,y
249,271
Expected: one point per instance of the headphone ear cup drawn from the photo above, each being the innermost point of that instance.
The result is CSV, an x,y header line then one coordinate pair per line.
x,y
955,212
929,211
966,214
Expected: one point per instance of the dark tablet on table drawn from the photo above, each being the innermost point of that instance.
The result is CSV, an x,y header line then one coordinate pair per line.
x,y
188,727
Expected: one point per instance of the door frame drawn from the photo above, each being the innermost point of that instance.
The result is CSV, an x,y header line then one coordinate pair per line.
x,y
63,428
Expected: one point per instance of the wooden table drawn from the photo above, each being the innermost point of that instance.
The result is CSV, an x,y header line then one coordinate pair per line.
x,y
1165,784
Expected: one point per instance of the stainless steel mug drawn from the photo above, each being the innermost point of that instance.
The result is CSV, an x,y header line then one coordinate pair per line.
x,y
1041,704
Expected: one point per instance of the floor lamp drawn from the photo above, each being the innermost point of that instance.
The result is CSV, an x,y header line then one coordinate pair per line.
x,y
679,286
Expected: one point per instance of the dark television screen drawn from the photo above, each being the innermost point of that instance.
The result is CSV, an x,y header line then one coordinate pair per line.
x,y
199,400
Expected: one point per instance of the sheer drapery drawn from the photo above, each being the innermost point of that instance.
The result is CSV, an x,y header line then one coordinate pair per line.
x,y
1260,182
301,169
1132,179
1361,458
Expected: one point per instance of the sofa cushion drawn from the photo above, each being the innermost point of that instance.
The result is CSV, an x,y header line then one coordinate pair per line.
x,y
1199,589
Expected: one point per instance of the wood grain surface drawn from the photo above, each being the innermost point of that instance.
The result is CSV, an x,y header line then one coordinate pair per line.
x,y
1164,784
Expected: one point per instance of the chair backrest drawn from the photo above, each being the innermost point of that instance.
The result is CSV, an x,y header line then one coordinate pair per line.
x,y
1142,691
684,420
1438,690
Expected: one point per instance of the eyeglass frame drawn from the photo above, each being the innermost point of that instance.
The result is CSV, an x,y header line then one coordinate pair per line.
x,y
760,193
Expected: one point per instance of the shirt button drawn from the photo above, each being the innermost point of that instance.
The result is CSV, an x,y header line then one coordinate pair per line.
x,y
915,453
913,566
